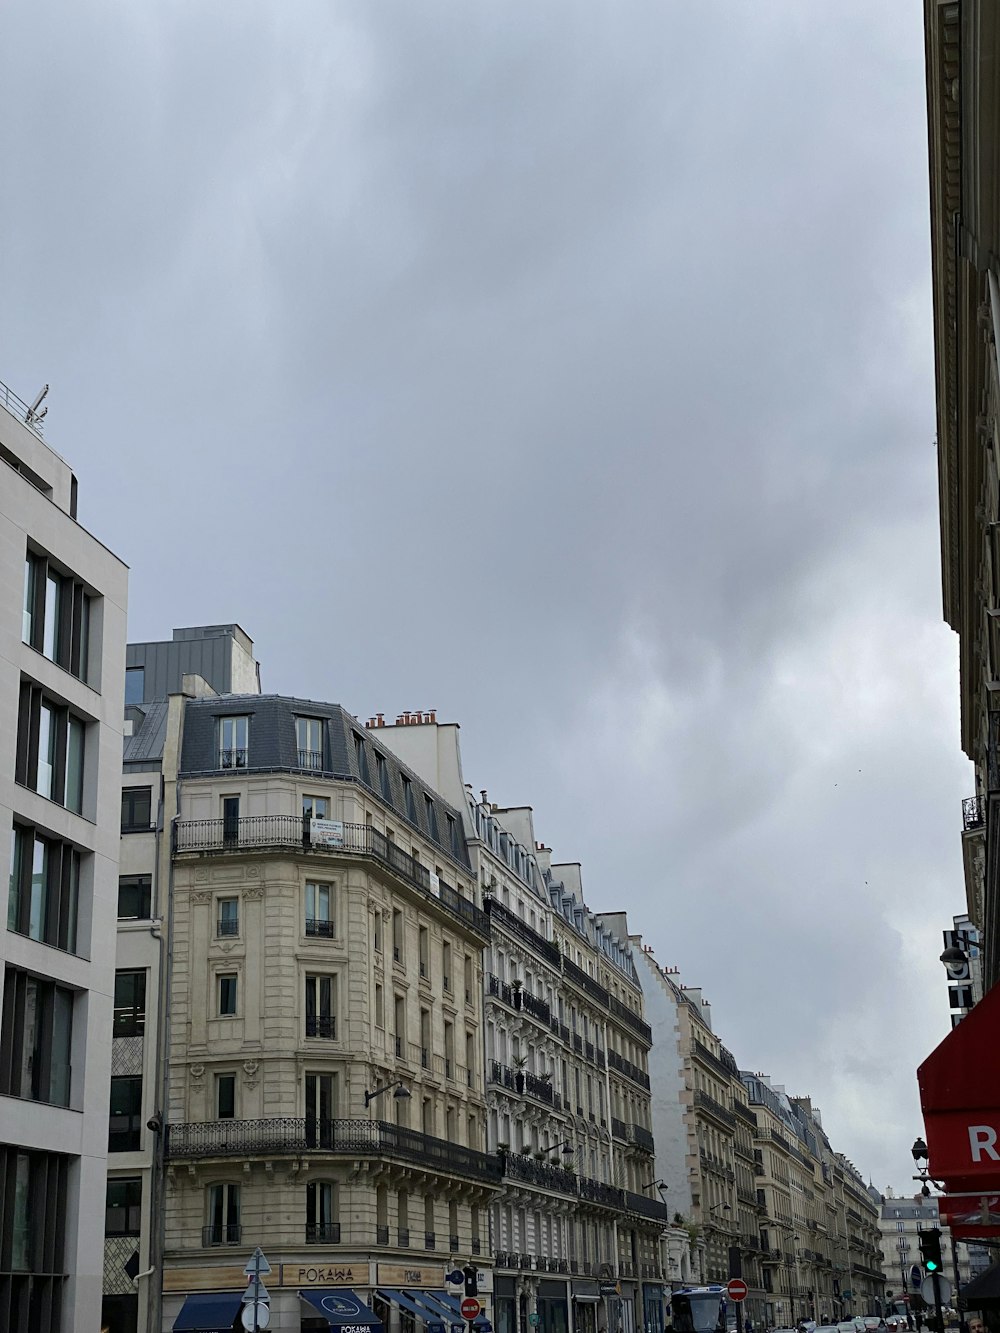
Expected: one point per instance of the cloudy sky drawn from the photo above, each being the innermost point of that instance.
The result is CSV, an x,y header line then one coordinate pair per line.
x,y
565,366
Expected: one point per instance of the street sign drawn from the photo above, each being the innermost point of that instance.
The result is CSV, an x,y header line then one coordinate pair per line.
x,y
256,1291
254,1317
470,1308
456,1277
927,1290
737,1289
610,1289
534,1319
257,1264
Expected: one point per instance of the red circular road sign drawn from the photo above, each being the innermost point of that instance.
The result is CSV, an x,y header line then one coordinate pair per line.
x,y
737,1289
470,1307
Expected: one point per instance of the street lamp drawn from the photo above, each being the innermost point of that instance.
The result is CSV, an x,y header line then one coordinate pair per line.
x,y
661,1185
401,1092
566,1148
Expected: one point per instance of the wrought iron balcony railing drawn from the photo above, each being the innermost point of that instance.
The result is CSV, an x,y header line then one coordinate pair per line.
x,y
619,1129
311,759
320,929
232,759
626,1067
322,1233
273,832
321,1026
297,1134
715,1108
511,923
641,1137
221,1235
227,928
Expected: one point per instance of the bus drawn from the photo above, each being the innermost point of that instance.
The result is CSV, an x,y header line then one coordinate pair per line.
x,y
699,1309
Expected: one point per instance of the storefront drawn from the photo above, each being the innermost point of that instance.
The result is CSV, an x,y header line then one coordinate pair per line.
x,y
586,1299
553,1307
504,1305
652,1307
960,1099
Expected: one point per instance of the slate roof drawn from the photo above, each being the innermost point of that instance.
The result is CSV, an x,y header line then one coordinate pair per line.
x,y
149,732
350,751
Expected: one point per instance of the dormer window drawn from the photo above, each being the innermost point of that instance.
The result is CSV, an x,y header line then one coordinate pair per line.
x,y
309,739
233,733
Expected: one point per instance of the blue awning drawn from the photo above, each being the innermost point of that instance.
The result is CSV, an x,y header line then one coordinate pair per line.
x,y
340,1307
453,1304
209,1312
437,1308
406,1301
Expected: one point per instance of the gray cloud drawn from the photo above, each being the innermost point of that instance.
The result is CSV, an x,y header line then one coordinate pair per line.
x,y
567,368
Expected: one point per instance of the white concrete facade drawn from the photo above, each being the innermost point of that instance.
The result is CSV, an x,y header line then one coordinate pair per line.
x,y
62,654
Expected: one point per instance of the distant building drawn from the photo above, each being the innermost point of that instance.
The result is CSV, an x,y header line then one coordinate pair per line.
x,y
901,1221
62,648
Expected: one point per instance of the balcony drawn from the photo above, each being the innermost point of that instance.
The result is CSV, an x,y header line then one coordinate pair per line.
x,y
546,1175
596,1191
637,1075
973,813
324,1026
512,924
319,929
585,983
312,759
539,1088
531,1004
619,1129
268,833
232,759
645,1207
221,1235
323,1233
291,1135
708,1104
228,928
381,1234
641,1137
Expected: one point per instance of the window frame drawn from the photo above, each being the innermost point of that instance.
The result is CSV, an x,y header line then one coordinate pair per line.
x,y
223,981
132,802
234,755
142,885
227,928
57,614
127,1137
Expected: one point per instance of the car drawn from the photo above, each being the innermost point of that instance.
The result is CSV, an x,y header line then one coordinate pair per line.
x,y
872,1321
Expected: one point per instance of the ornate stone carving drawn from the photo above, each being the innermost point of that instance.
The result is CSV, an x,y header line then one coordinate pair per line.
x,y
253,892
250,1070
201,876
196,1073
253,872
202,896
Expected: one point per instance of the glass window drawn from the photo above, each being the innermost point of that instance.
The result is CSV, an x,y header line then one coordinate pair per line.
x,y
227,994
125,1127
319,909
225,1096
321,1017
135,684
223,1215
47,731
130,1003
321,1224
309,739
30,596
123,1209
228,923
136,809
432,823
316,807
233,742
43,895
134,897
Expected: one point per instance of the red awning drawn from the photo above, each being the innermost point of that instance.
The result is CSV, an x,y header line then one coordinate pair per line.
x,y
970,1216
960,1098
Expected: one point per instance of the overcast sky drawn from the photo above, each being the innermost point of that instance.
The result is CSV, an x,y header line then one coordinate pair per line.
x,y
564,366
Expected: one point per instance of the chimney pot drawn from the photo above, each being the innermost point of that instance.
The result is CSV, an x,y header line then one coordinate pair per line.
x,y
381,719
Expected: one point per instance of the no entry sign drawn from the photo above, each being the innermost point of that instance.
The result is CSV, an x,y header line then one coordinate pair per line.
x,y
737,1289
470,1308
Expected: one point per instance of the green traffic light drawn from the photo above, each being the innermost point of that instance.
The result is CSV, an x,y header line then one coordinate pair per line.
x,y
932,1265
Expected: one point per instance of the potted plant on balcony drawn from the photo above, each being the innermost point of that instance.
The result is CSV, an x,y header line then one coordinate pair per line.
x,y
519,1065
516,985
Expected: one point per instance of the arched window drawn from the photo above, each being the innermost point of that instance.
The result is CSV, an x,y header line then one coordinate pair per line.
x,y
223,1214
322,1212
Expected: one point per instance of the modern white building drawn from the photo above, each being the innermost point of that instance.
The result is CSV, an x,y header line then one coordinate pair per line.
x,y
62,656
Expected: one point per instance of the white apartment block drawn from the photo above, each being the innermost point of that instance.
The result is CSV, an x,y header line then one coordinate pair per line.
x,y
62,654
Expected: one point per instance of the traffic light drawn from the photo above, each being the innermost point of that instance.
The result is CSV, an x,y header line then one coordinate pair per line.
x,y
930,1250
471,1280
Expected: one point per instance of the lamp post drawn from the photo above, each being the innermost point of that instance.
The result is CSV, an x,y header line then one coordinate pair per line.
x,y
566,1148
401,1093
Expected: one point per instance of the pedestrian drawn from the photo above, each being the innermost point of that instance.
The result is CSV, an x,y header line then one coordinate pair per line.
x,y
748,1325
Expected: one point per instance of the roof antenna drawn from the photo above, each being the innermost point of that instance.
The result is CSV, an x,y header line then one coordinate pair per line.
x,y
33,417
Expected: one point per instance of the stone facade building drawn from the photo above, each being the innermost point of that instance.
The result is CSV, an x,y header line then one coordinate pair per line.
x,y
324,1079
576,1227
62,646
206,659
900,1222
